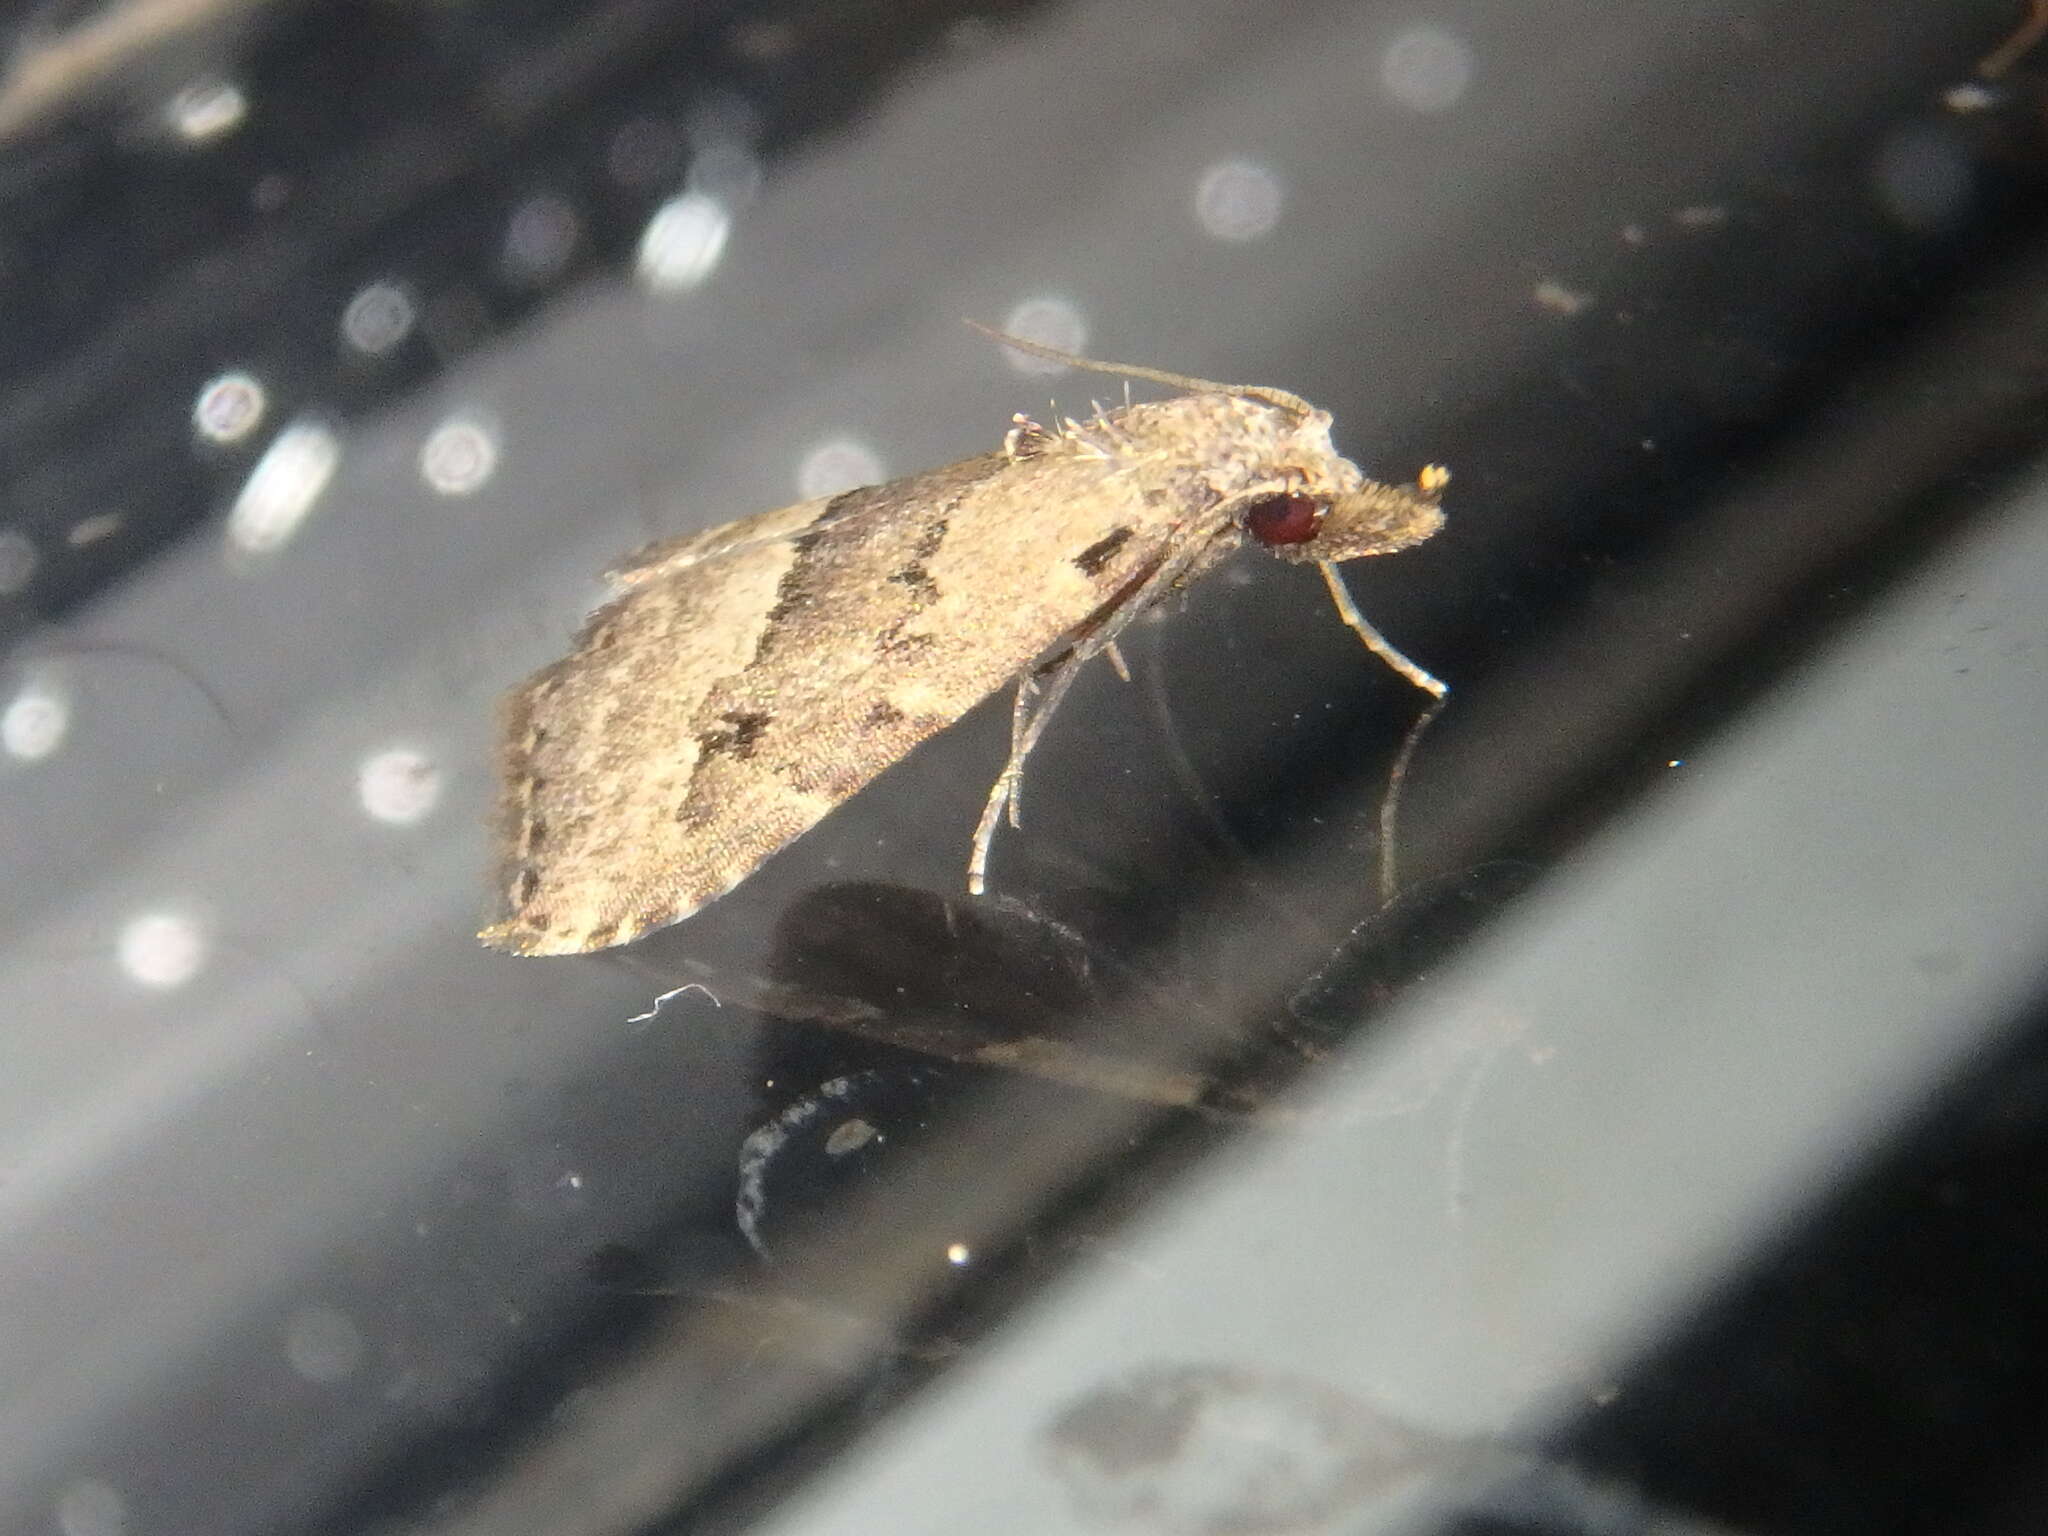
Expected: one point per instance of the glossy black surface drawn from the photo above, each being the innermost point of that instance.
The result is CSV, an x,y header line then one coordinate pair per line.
x,y
342,346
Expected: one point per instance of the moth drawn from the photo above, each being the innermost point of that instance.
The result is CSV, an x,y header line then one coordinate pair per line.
x,y
744,681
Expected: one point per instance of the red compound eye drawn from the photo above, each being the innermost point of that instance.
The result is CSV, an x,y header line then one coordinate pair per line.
x,y
1290,519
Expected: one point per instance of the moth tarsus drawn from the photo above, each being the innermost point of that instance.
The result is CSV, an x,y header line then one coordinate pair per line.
x,y
744,681
1377,643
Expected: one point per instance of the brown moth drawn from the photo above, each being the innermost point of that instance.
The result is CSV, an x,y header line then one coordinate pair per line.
x,y
744,681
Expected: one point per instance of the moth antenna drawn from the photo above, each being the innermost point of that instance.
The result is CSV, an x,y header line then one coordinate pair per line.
x,y
1186,383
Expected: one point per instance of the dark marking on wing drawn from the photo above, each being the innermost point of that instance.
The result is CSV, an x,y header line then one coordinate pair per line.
x,y
1092,559
746,728
881,714
795,591
919,579
916,575
893,642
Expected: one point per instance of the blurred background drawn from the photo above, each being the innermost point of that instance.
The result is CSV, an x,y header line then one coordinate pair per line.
x,y
1667,1157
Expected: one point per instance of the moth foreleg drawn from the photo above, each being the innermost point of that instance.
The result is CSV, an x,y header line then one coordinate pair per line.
x,y
1377,643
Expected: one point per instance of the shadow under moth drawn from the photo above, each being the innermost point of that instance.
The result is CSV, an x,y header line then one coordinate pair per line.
x,y
743,681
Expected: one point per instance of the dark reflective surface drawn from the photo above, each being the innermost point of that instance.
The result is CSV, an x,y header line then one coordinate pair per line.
x,y
347,344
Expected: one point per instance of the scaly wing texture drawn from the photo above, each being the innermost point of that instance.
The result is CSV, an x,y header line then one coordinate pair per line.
x,y
749,679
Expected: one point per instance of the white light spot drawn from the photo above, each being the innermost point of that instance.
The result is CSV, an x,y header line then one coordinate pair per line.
x,y
728,174
683,242
849,1136
1554,296
838,465
18,561
1700,216
228,408
540,237
959,1255
1923,176
398,786
378,318
90,530
282,488
1051,322
1238,200
207,110
1970,97
35,722
1426,69
90,1507
322,1344
162,950
459,456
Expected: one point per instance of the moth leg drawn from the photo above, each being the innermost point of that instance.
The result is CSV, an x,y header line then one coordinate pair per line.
x,y
1039,694
1037,698
1020,719
1377,643
1390,803
1028,690
2009,52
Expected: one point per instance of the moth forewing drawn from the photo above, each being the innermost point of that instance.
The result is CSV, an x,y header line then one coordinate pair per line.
x,y
748,679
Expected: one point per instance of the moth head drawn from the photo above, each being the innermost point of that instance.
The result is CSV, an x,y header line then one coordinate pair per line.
x,y
1302,524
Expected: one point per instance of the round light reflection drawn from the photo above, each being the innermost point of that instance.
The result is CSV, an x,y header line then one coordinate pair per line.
x,y
398,786
206,110
162,950
1238,200
683,242
1050,321
459,456
35,723
1427,69
378,318
229,407
839,464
